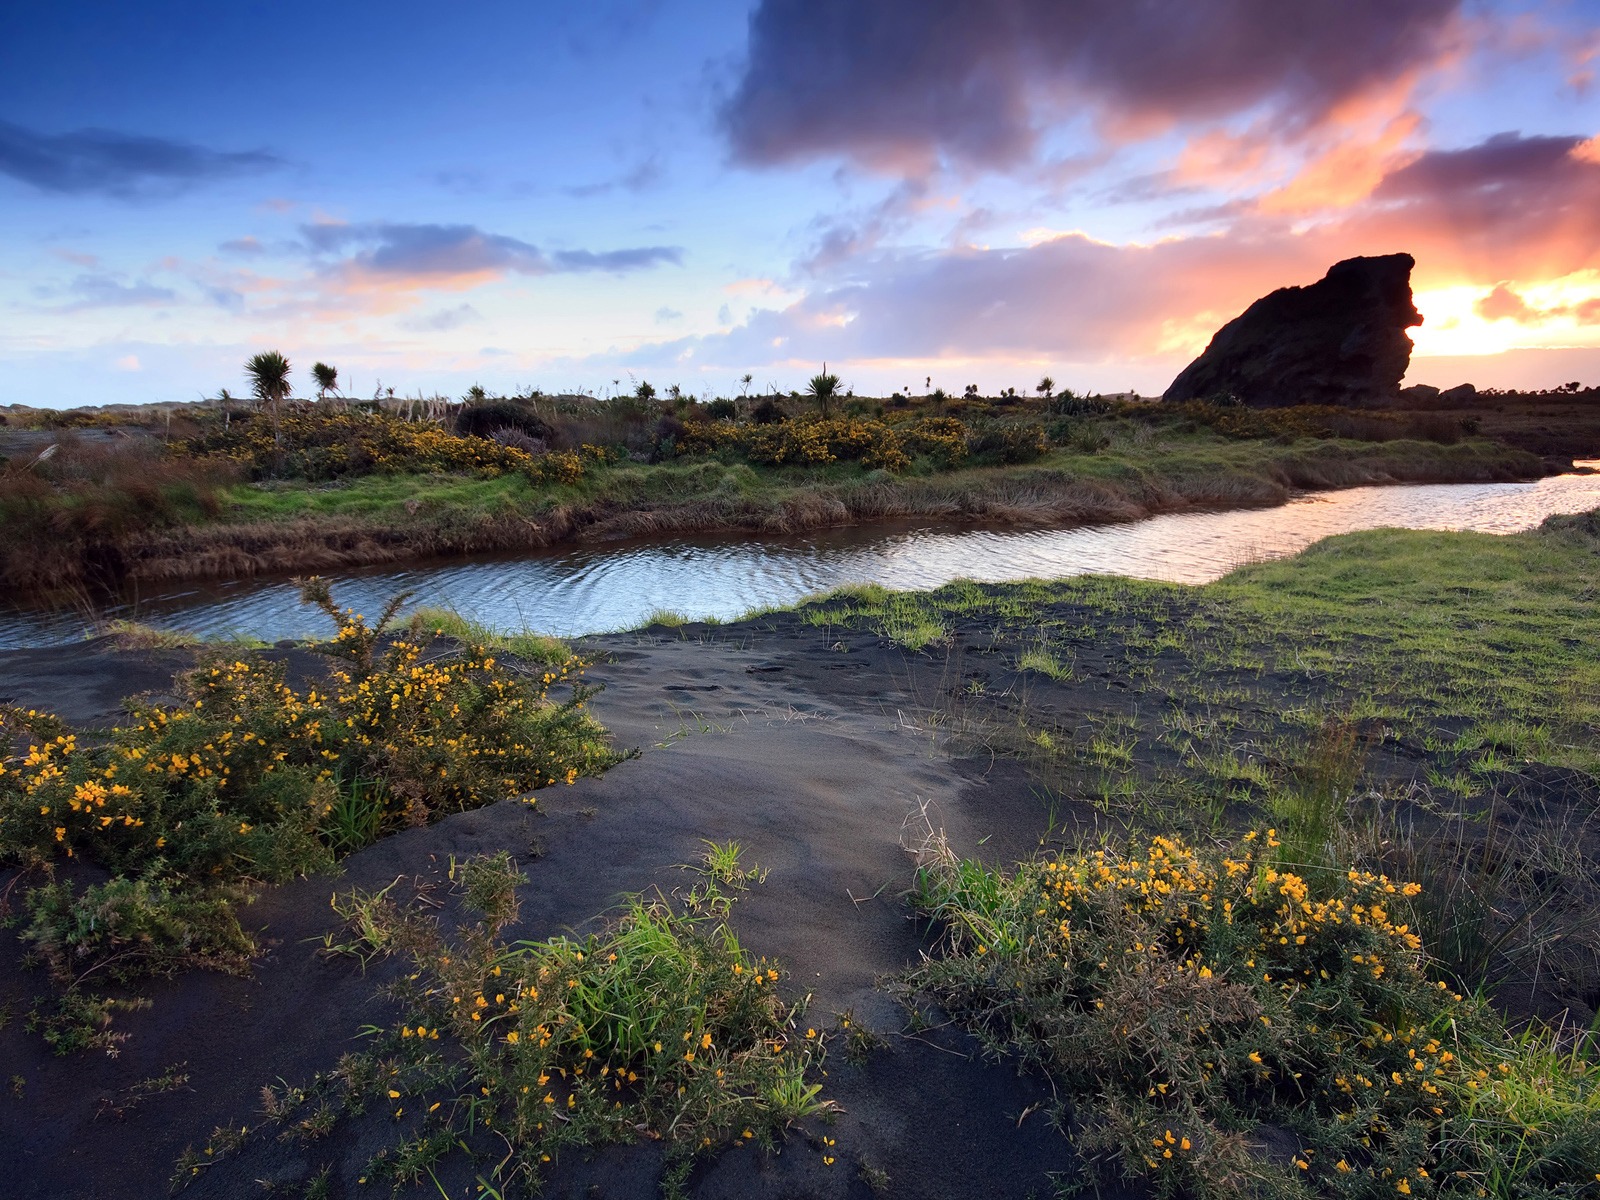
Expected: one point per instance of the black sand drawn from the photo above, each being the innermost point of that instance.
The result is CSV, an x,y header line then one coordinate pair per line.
x,y
812,758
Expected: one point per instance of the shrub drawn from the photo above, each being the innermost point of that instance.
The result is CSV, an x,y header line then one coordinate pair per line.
x,y
660,1025
1011,443
249,780
1322,421
1184,1000
484,418
808,442
943,440
322,445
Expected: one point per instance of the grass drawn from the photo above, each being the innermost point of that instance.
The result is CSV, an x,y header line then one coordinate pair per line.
x,y
526,645
202,521
1422,704
662,1025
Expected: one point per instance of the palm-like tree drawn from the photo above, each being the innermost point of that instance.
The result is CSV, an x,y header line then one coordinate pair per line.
x,y
823,388
269,380
327,379
1046,387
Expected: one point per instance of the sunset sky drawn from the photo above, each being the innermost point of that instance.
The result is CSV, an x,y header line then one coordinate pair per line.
x,y
976,191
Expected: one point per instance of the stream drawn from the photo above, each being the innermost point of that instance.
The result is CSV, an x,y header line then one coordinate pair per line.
x,y
594,588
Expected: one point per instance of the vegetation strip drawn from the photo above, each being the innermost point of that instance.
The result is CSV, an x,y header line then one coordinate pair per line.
x,y
327,484
249,781
661,1026
1221,1025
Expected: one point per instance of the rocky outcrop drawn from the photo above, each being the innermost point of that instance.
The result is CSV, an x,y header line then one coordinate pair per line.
x,y
1342,340
1421,395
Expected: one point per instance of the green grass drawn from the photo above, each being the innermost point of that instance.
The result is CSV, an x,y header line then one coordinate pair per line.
x,y
1494,639
526,645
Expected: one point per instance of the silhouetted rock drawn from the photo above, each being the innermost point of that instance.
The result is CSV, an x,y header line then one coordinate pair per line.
x,y
1341,340
1459,396
1422,395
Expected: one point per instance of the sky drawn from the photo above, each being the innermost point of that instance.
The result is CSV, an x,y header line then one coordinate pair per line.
x,y
918,193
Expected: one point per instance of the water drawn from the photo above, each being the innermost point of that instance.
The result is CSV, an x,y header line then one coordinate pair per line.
x,y
617,586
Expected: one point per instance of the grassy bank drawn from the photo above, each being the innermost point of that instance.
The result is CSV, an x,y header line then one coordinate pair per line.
x,y
344,496
398,518
1216,961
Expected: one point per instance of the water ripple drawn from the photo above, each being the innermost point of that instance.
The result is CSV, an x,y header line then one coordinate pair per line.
x,y
597,588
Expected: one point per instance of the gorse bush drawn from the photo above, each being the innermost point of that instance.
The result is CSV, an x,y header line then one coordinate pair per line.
x,y
806,442
1183,1000
661,1025
318,445
945,442
1323,421
249,780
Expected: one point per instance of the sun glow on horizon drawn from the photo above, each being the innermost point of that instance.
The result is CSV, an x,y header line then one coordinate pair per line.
x,y
1466,319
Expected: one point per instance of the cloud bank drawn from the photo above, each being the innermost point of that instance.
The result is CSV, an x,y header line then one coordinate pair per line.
x,y
122,165
453,257
901,84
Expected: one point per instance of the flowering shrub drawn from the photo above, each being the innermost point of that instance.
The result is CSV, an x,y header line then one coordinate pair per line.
x,y
249,779
335,445
1186,999
1016,443
941,439
811,442
662,1024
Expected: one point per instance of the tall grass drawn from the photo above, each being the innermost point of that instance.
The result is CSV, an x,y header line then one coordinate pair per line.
x,y
68,517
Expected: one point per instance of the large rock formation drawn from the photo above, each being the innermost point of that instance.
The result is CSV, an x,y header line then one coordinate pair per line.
x,y
1340,341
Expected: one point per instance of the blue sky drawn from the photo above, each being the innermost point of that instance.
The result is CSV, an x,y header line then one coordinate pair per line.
x,y
963,190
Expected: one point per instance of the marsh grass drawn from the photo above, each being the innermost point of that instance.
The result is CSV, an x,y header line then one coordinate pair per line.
x,y
529,646
660,1025
374,489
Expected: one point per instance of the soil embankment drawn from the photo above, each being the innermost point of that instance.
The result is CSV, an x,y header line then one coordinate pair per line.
x,y
1001,497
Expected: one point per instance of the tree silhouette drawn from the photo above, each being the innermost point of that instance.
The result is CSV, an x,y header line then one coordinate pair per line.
x,y
326,378
269,381
823,388
1046,387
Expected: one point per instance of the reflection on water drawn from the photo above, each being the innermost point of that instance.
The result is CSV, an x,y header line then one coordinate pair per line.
x,y
598,588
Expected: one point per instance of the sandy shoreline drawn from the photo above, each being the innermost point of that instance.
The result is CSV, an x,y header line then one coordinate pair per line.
x,y
811,756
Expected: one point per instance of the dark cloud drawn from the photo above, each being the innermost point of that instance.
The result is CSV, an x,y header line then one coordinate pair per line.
x,y
642,177
1509,207
905,82
1504,162
446,252
445,319
106,291
117,164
